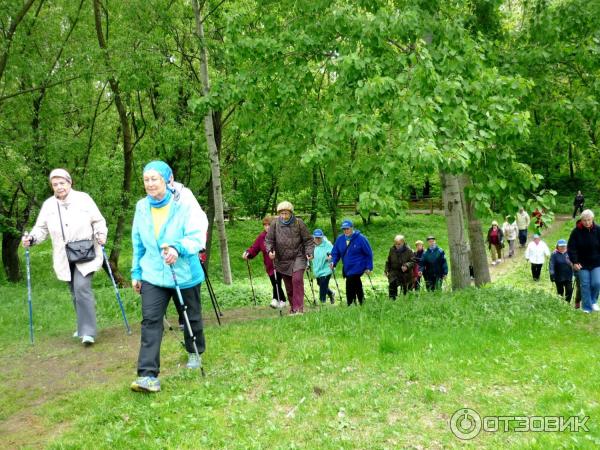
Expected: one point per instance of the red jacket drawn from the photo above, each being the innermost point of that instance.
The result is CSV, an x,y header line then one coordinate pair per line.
x,y
259,246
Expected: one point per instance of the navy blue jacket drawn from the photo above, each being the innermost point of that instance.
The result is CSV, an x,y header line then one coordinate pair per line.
x,y
433,264
357,258
560,266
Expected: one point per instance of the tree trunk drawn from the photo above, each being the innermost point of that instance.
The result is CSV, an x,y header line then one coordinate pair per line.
x,y
459,250
10,256
479,260
314,196
127,147
571,168
213,153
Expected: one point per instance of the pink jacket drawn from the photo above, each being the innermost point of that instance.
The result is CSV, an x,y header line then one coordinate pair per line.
x,y
259,246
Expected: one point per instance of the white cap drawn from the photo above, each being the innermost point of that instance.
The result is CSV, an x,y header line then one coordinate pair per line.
x,y
60,173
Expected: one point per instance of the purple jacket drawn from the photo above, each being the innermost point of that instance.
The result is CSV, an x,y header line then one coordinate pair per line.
x,y
259,246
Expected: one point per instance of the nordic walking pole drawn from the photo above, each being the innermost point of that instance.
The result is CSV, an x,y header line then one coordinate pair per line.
x,y
170,327
335,279
118,294
185,315
211,294
251,284
371,282
310,281
28,264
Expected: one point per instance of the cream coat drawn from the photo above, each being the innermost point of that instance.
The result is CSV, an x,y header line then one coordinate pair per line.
x,y
81,219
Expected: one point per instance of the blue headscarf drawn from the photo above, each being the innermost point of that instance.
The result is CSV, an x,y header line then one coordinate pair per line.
x,y
166,173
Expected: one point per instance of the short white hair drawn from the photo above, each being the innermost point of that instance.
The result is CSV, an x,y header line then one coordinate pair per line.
x,y
399,237
587,214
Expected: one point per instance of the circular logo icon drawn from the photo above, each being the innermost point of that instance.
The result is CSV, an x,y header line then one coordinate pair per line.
x,y
465,423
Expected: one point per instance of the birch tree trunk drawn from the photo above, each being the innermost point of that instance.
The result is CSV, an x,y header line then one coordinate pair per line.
x,y
459,250
479,259
213,153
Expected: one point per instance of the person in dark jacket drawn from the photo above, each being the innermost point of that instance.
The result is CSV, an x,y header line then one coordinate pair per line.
x,y
495,240
578,203
433,266
291,246
584,253
259,246
561,270
418,255
398,267
354,250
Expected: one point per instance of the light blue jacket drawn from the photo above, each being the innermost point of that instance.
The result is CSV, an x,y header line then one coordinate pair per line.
x,y
182,230
320,264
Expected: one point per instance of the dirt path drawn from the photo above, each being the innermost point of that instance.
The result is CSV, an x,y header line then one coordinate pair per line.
x,y
54,368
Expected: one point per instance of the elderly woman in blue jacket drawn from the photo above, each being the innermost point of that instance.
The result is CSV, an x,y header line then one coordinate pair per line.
x,y
354,250
166,232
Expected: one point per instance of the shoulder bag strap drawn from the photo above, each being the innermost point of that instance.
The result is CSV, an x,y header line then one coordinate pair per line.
x,y
61,224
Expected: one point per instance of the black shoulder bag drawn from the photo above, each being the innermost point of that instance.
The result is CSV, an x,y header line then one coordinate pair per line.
x,y
77,251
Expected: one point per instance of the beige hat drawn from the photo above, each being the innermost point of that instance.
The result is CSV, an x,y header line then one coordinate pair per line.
x,y
60,173
494,223
285,206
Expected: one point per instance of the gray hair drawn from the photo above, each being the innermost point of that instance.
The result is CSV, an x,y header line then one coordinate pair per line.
x,y
399,237
587,214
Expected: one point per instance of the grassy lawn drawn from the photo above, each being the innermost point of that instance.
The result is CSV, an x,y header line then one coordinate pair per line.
x,y
387,375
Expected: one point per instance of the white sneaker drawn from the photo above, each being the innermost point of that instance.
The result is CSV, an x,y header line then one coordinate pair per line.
x,y
281,304
595,307
493,263
274,303
87,340
498,261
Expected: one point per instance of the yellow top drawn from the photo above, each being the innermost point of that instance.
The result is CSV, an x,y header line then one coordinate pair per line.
x,y
159,217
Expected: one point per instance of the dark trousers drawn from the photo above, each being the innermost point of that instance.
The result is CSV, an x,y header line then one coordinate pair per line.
x,y
577,208
536,270
522,237
154,305
433,283
324,290
393,286
276,285
354,289
564,289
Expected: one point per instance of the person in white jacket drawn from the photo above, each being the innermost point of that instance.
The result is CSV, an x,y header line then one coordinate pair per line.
x,y
68,216
510,231
536,254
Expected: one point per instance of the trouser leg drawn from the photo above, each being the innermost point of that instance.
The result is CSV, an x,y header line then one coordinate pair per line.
x,y
154,305
289,288
354,289
298,287
393,288
84,302
193,308
276,283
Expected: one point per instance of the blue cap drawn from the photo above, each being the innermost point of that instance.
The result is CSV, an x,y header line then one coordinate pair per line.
x,y
346,224
535,236
318,233
561,243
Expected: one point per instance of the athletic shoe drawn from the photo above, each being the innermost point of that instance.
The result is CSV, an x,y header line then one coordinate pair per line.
x,y
282,304
499,261
274,303
146,384
585,311
87,340
194,361
493,263
595,307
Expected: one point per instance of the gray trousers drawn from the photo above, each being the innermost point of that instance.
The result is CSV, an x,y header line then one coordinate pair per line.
x,y
83,302
154,305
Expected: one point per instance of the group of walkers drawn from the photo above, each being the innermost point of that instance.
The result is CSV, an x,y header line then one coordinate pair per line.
x,y
169,230
289,249
169,233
